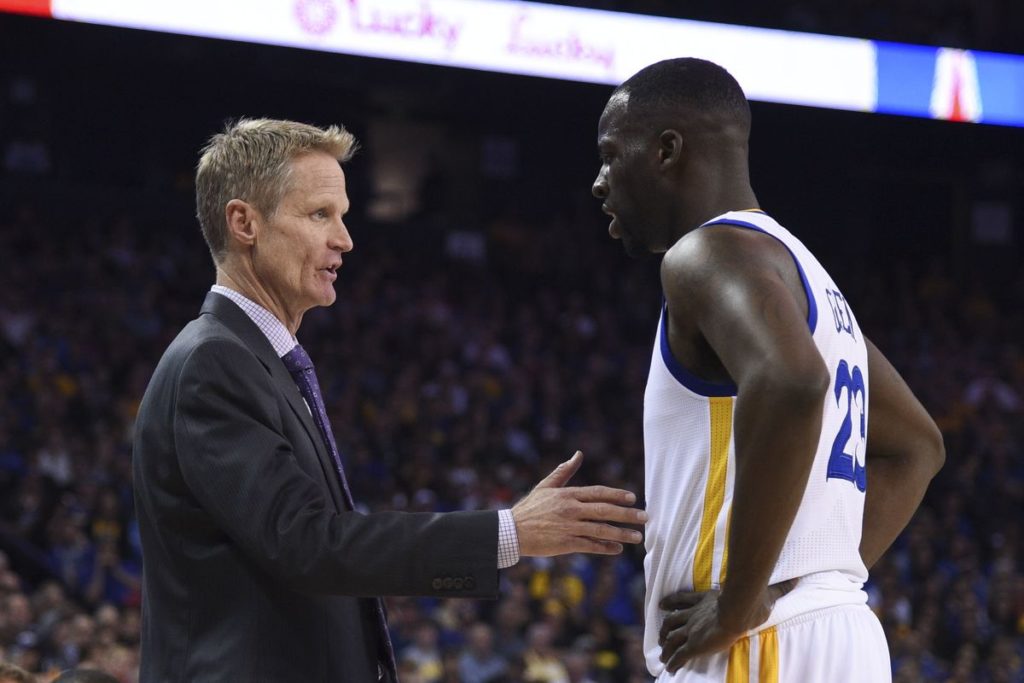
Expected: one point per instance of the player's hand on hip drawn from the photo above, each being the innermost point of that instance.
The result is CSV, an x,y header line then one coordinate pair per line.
x,y
555,520
692,627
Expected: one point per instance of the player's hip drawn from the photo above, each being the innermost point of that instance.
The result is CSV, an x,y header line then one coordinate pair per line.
x,y
839,643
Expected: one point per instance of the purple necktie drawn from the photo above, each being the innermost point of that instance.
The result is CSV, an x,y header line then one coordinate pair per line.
x,y
301,368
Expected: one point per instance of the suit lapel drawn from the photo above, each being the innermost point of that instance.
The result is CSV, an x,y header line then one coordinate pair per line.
x,y
235,319
283,379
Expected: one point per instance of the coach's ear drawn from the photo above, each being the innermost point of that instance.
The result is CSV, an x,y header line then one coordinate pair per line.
x,y
242,221
670,148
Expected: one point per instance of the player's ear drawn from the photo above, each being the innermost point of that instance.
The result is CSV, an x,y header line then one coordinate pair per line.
x,y
670,147
242,218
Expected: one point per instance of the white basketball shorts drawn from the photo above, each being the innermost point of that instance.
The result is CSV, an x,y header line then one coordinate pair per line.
x,y
844,643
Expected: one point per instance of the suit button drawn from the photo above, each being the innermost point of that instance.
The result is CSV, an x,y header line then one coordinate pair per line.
x,y
470,583
447,583
459,582
436,584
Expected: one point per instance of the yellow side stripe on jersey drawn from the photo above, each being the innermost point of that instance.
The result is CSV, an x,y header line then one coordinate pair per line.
x,y
725,549
768,646
738,670
714,491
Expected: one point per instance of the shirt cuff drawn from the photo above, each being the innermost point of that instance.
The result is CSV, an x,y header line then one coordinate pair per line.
x,y
508,540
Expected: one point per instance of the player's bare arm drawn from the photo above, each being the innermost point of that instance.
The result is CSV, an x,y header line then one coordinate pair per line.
x,y
739,292
904,452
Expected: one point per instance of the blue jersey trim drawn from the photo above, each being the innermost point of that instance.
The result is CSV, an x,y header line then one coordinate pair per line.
x,y
812,304
684,376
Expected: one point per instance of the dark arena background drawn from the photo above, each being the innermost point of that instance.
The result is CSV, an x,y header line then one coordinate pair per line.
x,y
486,325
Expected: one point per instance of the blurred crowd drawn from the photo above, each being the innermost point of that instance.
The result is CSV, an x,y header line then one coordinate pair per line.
x,y
458,369
456,377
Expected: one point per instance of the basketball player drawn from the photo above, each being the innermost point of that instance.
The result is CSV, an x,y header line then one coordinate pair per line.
x,y
769,490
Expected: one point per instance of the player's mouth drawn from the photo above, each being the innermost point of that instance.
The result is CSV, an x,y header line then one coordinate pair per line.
x,y
613,227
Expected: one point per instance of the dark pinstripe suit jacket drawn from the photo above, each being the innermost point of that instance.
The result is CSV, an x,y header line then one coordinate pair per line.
x,y
253,570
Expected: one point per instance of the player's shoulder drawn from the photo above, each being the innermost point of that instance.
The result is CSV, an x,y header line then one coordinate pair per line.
x,y
709,252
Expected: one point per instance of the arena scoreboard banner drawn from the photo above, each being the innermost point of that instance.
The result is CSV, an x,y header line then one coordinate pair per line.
x,y
594,46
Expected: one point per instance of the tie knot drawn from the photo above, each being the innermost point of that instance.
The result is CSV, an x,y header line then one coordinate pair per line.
x,y
297,360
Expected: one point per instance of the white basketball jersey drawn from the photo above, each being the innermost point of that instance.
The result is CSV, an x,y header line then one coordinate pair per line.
x,y
690,465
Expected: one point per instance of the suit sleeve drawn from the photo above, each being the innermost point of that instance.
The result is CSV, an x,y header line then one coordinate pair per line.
x,y
241,469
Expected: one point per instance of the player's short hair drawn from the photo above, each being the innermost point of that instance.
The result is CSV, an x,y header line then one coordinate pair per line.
x,y
251,161
685,85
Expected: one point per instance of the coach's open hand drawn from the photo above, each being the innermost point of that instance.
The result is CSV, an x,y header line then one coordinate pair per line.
x,y
553,520
692,627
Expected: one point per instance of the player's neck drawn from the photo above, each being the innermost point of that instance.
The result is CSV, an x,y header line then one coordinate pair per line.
x,y
715,204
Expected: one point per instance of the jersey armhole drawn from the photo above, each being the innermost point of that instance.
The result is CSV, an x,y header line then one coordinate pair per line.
x,y
689,380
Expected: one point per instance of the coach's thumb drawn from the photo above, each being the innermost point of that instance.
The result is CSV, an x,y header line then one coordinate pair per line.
x,y
561,475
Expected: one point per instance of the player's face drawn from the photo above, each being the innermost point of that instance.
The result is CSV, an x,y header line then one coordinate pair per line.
x,y
299,253
622,183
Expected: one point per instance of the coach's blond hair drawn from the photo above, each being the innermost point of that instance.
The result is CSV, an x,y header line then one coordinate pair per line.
x,y
251,161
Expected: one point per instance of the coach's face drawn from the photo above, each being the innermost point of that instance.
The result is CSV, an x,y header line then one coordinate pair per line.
x,y
298,250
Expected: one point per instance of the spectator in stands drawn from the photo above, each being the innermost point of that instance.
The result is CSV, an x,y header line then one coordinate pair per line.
x,y
84,676
10,673
542,660
479,662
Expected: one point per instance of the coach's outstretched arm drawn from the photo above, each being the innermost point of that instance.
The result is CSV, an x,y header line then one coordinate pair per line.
x,y
904,452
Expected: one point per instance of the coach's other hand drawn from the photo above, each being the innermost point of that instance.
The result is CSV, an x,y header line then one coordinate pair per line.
x,y
555,520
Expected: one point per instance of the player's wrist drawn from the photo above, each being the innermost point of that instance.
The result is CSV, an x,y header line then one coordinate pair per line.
x,y
734,615
734,625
